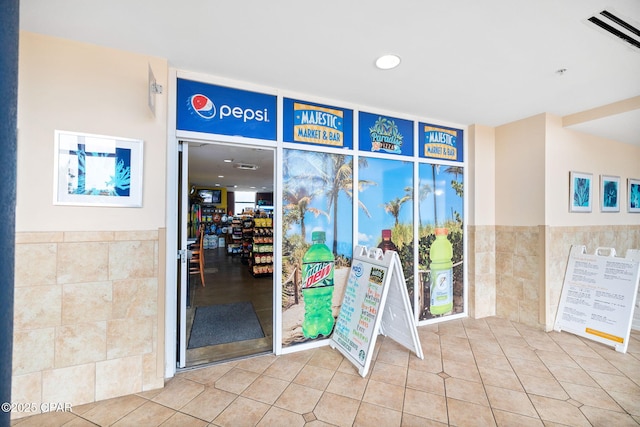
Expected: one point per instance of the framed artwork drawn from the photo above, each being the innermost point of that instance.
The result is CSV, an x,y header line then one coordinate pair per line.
x,y
97,170
634,195
609,193
580,192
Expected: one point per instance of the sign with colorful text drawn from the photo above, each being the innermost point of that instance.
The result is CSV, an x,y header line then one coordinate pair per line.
x,y
208,108
317,124
375,301
385,134
440,142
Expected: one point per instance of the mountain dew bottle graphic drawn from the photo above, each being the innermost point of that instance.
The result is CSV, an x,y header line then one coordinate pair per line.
x,y
317,288
441,267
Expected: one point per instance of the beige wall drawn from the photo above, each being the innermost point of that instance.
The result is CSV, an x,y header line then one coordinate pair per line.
x,y
79,87
481,175
569,150
520,162
534,229
90,281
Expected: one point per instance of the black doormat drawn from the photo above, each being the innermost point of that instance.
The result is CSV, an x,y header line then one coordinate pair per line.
x,y
224,323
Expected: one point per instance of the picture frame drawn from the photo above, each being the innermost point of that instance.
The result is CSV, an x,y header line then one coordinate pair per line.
x,y
609,193
633,195
97,170
580,192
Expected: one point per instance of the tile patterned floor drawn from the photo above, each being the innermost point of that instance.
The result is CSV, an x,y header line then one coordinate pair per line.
x,y
487,372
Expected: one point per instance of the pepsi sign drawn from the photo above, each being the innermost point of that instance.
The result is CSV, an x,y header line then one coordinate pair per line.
x,y
213,109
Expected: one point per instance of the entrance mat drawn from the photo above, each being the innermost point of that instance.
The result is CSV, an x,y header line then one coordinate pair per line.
x,y
224,323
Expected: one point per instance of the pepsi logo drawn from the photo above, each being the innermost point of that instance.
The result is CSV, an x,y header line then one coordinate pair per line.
x,y
202,106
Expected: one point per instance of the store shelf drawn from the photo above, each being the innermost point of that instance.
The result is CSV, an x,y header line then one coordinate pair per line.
x,y
261,255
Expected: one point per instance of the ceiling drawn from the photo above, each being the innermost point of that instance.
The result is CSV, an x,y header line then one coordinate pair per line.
x,y
464,62
208,167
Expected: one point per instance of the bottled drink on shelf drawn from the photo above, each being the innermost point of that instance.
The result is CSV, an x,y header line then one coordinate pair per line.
x,y
441,253
387,244
317,288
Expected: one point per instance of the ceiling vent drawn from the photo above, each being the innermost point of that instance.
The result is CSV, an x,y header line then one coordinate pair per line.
x,y
245,166
617,26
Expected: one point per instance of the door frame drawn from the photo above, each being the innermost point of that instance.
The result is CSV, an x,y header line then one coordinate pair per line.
x,y
183,212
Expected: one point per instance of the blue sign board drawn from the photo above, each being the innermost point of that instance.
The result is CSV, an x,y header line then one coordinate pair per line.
x,y
208,108
441,142
385,134
317,124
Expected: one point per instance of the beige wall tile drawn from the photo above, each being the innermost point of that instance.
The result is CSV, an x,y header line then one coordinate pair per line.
x,y
132,259
485,262
505,239
61,325
86,302
485,239
74,385
118,377
504,263
507,308
137,235
33,350
88,236
510,288
37,307
35,264
129,337
152,376
26,389
135,298
525,267
527,241
83,262
42,237
81,343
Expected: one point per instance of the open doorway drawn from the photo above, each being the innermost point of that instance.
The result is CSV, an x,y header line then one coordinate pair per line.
x,y
229,307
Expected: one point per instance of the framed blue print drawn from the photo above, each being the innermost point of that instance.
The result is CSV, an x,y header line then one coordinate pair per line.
x,y
634,195
580,192
609,193
97,170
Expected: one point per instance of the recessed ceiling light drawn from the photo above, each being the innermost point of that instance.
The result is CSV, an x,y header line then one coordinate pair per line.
x,y
220,176
228,160
387,62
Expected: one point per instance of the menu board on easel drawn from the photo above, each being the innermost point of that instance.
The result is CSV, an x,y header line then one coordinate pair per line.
x,y
598,296
375,301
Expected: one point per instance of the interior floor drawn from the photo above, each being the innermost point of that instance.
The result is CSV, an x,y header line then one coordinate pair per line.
x,y
228,280
475,372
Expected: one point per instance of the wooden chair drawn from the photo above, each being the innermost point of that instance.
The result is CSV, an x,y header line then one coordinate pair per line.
x,y
196,261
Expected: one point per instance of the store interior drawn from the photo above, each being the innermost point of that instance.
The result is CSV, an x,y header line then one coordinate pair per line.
x,y
230,228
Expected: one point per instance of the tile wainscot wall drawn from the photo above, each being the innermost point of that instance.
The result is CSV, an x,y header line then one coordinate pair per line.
x,y
89,316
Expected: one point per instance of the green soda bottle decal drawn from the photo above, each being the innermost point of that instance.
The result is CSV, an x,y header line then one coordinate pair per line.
x,y
441,253
317,274
317,288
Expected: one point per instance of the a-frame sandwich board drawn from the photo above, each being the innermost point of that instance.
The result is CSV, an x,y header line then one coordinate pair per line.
x,y
375,302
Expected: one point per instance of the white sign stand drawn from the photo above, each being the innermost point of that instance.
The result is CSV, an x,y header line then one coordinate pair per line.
x,y
598,296
375,301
